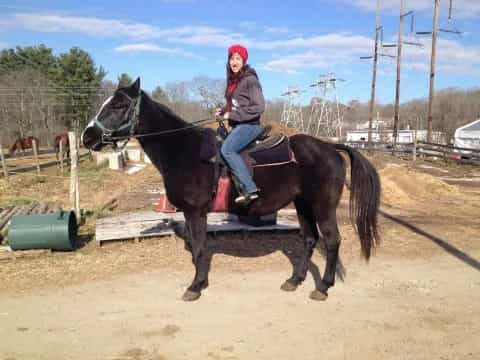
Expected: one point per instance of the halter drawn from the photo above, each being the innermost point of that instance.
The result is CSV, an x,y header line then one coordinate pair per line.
x,y
132,118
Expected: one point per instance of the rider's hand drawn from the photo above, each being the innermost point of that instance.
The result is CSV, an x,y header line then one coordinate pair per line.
x,y
226,115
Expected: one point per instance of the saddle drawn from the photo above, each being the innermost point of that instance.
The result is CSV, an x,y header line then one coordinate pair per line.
x,y
266,150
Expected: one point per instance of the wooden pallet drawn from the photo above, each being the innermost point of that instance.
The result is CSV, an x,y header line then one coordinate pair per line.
x,y
144,224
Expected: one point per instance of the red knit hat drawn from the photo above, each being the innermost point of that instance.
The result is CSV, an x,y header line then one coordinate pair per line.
x,y
241,50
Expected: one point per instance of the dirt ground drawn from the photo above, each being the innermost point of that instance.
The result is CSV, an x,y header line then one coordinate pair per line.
x,y
417,298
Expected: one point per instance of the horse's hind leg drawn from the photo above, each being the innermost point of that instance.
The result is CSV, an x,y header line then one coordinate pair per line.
x,y
327,222
201,259
310,237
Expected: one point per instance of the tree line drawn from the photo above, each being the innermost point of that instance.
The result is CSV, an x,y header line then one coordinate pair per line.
x,y
452,108
43,94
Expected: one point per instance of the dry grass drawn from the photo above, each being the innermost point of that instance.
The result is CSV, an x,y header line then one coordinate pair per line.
x,y
409,192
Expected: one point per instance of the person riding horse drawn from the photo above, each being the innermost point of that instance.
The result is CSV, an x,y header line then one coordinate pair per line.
x,y
245,105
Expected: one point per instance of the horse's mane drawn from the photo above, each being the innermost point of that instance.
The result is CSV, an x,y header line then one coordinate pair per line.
x,y
166,111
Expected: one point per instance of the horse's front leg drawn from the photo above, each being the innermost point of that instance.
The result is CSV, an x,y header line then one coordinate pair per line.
x,y
201,259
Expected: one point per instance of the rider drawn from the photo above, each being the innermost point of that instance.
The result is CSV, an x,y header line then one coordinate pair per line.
x,y
244,107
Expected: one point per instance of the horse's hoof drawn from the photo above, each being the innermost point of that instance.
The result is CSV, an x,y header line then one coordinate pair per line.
x,y
288,286
190,295
318,295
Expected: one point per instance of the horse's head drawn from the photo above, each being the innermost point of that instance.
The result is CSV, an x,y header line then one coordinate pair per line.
x,y
116,119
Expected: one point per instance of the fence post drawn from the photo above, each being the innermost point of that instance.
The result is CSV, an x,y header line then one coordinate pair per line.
x,y
4,165
35,154
414,156
74,182
60,144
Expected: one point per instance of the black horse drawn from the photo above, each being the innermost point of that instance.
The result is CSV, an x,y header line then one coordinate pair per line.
x,y
314,182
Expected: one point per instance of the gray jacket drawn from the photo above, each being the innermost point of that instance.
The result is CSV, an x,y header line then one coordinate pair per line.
x,y
248,103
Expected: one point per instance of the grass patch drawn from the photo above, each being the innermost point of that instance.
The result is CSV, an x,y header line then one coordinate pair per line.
x,y
89,169
22,201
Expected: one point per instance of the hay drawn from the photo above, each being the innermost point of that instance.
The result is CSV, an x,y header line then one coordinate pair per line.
x,y
402,186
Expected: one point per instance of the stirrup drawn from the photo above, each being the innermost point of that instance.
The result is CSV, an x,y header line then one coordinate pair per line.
x,y
246,199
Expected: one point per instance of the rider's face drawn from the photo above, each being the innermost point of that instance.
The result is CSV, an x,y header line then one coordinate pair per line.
x,y
236,63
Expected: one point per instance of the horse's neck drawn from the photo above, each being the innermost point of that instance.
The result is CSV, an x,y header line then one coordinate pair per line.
x,y
168,151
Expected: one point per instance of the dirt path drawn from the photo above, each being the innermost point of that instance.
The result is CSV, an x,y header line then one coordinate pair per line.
x,y
419,298
389,309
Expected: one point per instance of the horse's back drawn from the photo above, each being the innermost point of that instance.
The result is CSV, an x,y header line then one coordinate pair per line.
x,y
311,151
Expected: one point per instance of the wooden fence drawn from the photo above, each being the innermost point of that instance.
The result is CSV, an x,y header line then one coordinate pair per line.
x,y
425,149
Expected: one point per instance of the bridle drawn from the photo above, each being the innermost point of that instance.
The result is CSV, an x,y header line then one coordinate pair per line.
x,y
131,121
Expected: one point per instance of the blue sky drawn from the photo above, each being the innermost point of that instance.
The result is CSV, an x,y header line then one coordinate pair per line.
x,y
290,42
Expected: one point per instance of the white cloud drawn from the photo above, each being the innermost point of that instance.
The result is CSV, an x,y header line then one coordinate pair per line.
x,y
54,22
452,57
219,38
461,8
292,64
148,47
321,52
303,52
338,41
87,25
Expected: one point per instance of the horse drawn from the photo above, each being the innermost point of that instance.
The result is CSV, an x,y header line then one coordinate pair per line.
x,y
23,144
63,138
314,183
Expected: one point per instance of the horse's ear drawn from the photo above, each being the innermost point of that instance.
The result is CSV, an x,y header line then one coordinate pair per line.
x,y
136,85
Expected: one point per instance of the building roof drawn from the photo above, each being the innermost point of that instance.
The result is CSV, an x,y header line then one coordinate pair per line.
x,y
473,126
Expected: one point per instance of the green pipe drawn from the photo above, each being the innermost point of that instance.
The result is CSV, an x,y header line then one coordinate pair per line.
x,y
56,231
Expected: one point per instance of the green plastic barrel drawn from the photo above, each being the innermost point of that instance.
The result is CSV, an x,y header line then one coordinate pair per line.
x,y
56,231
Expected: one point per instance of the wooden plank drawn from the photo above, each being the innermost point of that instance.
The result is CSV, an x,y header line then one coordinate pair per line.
x,y
149,224
5,211
42,208
30,208
7,218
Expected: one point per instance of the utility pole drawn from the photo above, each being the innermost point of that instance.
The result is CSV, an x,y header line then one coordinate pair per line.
x,y
432,72
374,77
399,61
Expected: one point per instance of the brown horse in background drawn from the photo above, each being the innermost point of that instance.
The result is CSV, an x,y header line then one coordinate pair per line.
x,y
23,144
62,138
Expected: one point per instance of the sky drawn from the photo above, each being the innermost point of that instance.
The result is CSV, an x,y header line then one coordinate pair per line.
x,y
291,43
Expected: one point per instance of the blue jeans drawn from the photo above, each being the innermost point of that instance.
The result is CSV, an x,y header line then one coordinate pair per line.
x,y
240,137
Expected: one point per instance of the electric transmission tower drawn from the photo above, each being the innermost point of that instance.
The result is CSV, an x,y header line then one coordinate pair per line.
x,y
292,109
325,115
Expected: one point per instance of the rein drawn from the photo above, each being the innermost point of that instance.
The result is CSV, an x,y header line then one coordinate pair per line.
x,y
164,132
132,117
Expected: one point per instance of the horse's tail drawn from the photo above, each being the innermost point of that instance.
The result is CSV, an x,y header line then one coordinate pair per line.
x,y
364,198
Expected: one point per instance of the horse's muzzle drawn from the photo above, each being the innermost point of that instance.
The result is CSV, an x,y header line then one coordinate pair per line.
x,y
92,138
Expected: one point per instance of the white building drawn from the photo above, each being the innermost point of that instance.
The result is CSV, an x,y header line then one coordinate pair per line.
x,y
468,136
403,136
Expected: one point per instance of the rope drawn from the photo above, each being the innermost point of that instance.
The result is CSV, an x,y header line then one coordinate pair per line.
x,y
164,132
